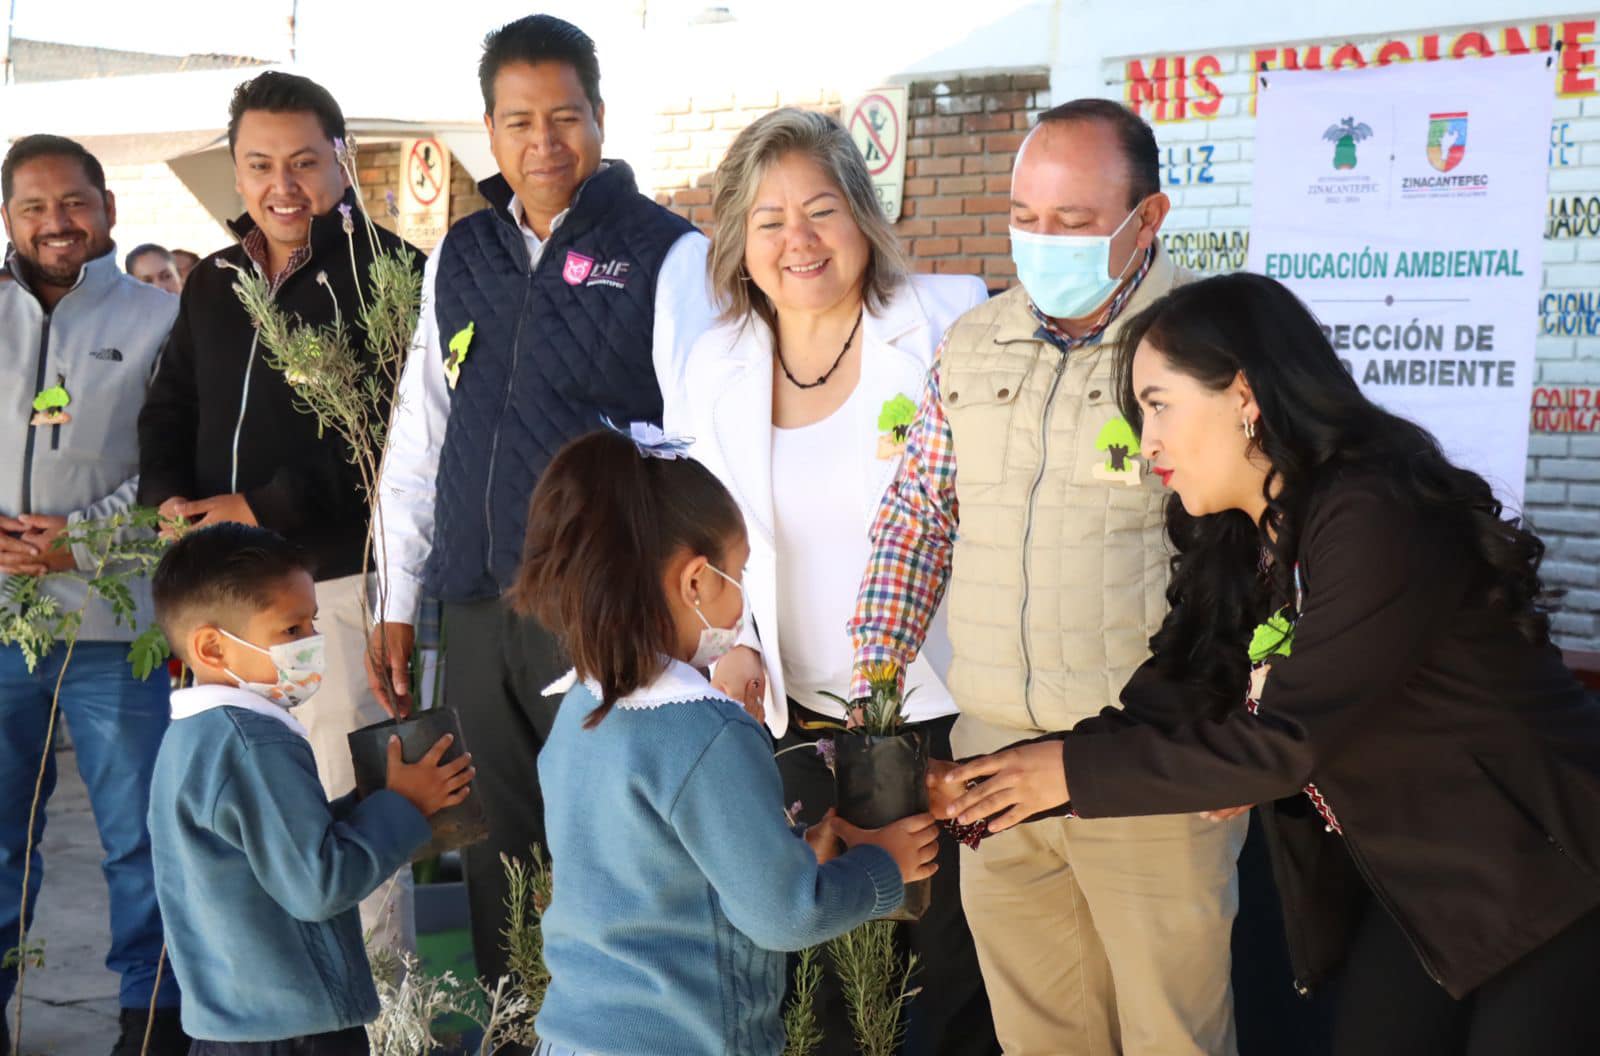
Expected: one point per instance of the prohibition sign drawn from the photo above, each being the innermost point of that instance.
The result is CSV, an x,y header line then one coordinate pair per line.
x,y
863,118
422,175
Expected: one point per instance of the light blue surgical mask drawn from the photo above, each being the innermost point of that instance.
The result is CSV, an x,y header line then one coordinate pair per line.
x,y
1068,276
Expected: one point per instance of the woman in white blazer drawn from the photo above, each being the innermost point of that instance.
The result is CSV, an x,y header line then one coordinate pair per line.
x,y
799,401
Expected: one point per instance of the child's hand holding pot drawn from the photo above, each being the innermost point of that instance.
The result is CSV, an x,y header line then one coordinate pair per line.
x,y
912,842
428,784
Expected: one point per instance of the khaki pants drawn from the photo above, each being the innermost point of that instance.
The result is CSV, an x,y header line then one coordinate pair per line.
x,y
1108,936
344,703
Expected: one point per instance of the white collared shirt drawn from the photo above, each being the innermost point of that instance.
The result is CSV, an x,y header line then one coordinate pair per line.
x,y
195,699
683,311
678,683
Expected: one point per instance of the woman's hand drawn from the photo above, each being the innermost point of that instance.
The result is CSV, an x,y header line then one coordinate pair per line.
x,y
941,792
741,675
1225,814
1019,782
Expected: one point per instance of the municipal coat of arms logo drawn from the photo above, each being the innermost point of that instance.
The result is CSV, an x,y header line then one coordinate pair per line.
x,y
1447,140
576,268
1344,136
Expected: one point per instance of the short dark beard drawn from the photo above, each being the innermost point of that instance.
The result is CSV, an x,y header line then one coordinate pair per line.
x,y
36,276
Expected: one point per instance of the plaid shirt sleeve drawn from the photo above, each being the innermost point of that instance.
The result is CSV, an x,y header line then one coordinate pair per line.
x,y
913,536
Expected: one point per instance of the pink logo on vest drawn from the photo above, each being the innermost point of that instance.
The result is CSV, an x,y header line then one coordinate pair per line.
x,y
577,268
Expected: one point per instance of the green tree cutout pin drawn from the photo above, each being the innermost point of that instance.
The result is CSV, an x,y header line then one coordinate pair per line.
x,y
50,406
1116,438
894,425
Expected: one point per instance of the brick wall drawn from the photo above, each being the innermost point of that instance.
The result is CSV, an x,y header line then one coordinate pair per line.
x,y
963,135
1202,111
378,169
964,138
153,205
693,133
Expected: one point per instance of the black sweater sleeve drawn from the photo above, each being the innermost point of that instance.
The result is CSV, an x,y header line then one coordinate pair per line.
x,y
1377,583
169,419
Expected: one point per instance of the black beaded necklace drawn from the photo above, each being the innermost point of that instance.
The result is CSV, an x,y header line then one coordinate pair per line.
x,y
777,347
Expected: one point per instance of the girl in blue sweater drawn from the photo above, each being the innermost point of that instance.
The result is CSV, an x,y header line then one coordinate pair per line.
x,y
678,882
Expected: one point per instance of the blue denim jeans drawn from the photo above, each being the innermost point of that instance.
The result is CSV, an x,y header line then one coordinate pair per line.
x,y
116,724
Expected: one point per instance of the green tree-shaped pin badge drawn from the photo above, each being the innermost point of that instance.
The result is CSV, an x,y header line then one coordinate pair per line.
x,y
50,406
894,425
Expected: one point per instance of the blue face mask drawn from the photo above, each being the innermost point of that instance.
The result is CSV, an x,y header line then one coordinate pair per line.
x,y
1067,276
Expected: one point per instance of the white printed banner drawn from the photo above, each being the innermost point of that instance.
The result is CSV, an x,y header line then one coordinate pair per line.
x,y
1405,206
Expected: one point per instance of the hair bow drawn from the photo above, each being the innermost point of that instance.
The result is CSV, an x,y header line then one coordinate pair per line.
x,y
651,440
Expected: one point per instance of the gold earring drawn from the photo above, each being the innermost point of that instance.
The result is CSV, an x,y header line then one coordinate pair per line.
x,y
1249,429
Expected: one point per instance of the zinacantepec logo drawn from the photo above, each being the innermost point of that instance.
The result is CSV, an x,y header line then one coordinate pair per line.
x,y
1348,184
1446,148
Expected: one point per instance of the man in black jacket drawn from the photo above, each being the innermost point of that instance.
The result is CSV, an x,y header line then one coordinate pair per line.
x,y
221,437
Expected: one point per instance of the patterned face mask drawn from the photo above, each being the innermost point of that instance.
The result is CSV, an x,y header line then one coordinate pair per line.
x,y
715,642
299,664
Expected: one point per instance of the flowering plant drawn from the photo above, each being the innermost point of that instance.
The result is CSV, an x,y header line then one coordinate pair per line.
x,y
881,713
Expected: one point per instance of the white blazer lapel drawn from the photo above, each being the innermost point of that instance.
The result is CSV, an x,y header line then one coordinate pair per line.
x,y
741,416
889,370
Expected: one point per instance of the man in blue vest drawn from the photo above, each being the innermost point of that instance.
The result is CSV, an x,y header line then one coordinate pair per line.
x,y
571,297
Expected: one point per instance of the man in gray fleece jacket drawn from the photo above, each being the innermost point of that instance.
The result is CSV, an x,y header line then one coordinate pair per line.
x,y
78,341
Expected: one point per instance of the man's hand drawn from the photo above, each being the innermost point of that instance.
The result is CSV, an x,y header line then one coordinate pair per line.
x,y
741,675
823,838
171,520
41,533
1020,781
216,510
429,784
17,558
389,666
1225,814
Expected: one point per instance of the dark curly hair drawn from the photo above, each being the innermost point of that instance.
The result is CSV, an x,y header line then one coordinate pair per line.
x,y
1316,427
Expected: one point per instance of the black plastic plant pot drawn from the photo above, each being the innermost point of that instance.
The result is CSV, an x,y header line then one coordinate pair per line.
x,y
454,827
880,780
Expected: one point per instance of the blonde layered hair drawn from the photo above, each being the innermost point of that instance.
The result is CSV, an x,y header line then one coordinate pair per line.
x,y
755,150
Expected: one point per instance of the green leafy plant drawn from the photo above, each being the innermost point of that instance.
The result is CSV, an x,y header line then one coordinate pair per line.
x,y
122,547
803,1032
411,1001
31,955
877,985
528,896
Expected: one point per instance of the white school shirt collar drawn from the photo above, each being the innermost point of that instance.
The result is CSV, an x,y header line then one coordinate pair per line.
x,y
535,243
192,701
678,684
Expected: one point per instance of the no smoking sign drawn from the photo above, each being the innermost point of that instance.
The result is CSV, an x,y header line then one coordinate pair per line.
x,y
878,126
424,192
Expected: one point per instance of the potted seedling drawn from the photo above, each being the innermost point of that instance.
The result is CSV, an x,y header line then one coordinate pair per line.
x,y
880,767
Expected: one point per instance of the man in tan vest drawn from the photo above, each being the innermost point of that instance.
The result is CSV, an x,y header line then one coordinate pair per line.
x,y
1095,937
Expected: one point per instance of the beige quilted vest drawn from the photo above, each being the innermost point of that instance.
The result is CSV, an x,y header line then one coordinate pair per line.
x,y
1060,566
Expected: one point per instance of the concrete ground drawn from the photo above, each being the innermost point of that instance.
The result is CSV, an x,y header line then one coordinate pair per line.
x,y
70,1005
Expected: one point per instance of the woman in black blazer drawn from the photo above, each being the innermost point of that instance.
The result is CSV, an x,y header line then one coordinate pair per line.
x,y
1358,644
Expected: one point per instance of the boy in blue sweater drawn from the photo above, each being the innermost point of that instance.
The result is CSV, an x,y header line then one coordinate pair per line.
x,y
257,874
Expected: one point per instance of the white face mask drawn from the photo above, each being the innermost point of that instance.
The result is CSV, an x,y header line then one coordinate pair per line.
x,y
716,642
299,664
